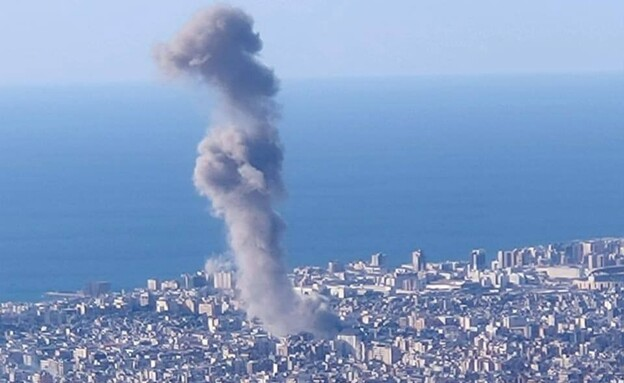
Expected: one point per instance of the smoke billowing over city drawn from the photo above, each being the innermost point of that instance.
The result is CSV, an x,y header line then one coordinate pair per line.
x,y
240,162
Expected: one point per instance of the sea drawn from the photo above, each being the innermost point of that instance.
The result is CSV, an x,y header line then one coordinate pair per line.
x,y
95,180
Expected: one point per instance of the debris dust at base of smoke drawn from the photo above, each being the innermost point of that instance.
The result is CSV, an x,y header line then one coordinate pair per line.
x,y
217,263
240,162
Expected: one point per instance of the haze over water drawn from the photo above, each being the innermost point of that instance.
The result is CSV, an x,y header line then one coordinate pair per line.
x,y
95,182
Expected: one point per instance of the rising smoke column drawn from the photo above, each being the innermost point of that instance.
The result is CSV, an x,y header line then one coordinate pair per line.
x,y
240,162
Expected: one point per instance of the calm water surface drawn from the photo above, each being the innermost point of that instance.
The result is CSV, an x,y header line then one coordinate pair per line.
x,y
95,182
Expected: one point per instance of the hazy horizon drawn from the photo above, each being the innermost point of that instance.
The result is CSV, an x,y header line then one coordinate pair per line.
x,y
72,42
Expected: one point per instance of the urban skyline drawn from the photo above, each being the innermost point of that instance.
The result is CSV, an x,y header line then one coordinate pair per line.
x,y
537,313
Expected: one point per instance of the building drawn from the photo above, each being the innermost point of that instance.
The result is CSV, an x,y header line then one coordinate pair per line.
x,y
477,259
505,259
224,280
602,279
190,281
384,353
153,284
418,260
170,285
335,267
95,289
350,344
378,260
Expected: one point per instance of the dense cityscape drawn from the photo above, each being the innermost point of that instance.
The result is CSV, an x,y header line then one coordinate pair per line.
x,y
547,313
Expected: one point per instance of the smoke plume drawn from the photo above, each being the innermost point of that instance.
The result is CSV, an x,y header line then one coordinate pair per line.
x,y
218,263
240,161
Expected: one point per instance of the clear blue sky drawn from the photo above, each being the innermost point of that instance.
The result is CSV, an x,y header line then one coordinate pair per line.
x,y
76,41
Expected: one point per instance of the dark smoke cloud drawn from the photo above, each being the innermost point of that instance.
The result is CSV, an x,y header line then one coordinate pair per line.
x,y
240,161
